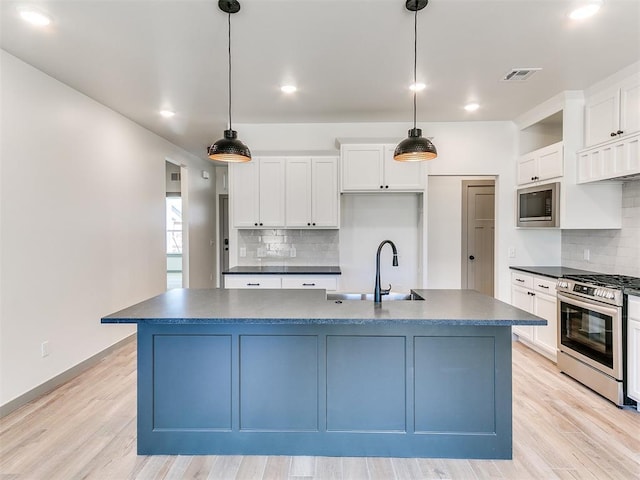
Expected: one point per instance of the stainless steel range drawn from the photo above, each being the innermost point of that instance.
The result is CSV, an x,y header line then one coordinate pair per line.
x,y
591,321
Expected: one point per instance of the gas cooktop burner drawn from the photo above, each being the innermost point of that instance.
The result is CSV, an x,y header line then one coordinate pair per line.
x,y
609,281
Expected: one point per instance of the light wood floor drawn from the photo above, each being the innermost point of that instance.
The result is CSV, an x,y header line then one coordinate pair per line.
x,y
86,429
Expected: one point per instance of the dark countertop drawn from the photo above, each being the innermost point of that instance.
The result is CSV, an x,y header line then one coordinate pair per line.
x,y
632,291
553,272
300,307
283,270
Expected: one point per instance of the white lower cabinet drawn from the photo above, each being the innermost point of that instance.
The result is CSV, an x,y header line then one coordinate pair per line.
x,y
633,349
325,282
252,281
537,295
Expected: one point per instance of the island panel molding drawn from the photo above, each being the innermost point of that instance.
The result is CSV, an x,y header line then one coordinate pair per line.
x,y
339,390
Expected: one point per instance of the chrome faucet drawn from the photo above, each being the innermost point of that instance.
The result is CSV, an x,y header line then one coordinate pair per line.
x,y
378,292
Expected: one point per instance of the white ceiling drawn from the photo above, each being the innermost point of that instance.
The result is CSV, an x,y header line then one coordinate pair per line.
x,y
352,60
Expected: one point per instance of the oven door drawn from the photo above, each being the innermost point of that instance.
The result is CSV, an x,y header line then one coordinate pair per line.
x,y
591,332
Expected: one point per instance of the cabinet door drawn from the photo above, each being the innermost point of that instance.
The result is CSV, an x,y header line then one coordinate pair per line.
x,y
243,194
550,164
527,169
298,192
271,192
361,167
522,298
630,105
402,176
546,337
324,192
602,116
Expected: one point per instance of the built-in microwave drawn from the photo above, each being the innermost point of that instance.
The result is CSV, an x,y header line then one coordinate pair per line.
x,y
538,206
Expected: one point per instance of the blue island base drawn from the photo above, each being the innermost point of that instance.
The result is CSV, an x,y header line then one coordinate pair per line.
x,y
324,390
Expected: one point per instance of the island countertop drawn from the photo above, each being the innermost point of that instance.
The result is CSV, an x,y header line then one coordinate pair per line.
x,y
310,307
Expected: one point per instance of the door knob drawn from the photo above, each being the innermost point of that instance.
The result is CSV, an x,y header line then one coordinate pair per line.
x,y
471,257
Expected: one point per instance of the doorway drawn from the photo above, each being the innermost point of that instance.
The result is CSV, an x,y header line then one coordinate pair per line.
x,y
175,221
478,235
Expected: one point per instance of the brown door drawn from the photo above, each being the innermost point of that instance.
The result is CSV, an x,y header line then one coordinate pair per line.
x,y
478,225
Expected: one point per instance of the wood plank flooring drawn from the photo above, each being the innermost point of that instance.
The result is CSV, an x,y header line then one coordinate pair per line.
x,y
86,429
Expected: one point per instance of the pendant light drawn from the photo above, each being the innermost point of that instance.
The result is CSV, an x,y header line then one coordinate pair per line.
x,y
415,148
229,149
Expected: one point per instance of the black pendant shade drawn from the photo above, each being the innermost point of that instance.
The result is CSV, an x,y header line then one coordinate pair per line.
x,y
229,149
415,148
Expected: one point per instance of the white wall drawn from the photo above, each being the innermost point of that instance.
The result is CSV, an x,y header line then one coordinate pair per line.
x,y
367,220
82,232
464,149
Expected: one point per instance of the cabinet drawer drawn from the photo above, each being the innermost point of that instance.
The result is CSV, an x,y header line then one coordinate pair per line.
x,y
324,282
522,280
248,281
544,285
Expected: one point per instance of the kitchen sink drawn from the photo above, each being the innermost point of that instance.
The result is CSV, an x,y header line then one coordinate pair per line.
x,y
391,297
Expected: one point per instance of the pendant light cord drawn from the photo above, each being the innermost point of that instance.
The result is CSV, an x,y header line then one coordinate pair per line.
x,y
229,30
415,63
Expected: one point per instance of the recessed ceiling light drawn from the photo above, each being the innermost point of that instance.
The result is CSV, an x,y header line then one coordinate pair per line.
x,y
34,17
416,87
167,113
586,10
471,107
288,88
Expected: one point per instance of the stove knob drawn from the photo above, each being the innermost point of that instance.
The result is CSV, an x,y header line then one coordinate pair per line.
x,y
598,292
612,295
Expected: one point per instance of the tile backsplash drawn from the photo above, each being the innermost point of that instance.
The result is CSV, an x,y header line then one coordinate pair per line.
x,y
288,247
609,251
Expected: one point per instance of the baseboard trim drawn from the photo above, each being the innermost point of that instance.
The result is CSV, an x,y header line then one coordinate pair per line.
x,y
61,379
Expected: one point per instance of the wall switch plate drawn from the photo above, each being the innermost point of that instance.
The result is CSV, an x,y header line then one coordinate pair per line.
x,y
512,252
44,348
586,254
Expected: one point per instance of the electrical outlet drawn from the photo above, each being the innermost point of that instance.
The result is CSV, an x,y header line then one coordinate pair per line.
x,y
44,348
586,254
512,252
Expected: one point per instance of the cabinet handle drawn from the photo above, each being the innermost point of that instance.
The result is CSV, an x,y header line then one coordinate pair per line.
x,y
613,134
386,186
308,224
308,284
253,284
381,186
519,280
260,223
619,132
543,286
314,224
531,293
256,224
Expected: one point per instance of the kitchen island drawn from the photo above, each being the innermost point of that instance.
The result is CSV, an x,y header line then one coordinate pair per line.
x,y
288,372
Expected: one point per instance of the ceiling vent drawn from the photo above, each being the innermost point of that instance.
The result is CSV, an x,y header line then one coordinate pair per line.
x,y
519,74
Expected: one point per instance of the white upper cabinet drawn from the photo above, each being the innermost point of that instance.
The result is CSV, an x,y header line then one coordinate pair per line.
x,y
311,192
371,167
542,164
613,113
257,194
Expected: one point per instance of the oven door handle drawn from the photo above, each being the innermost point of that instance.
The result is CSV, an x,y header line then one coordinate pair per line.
x,y
593,306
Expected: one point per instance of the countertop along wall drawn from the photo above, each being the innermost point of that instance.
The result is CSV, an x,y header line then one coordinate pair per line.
x,y
82,232
464,148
